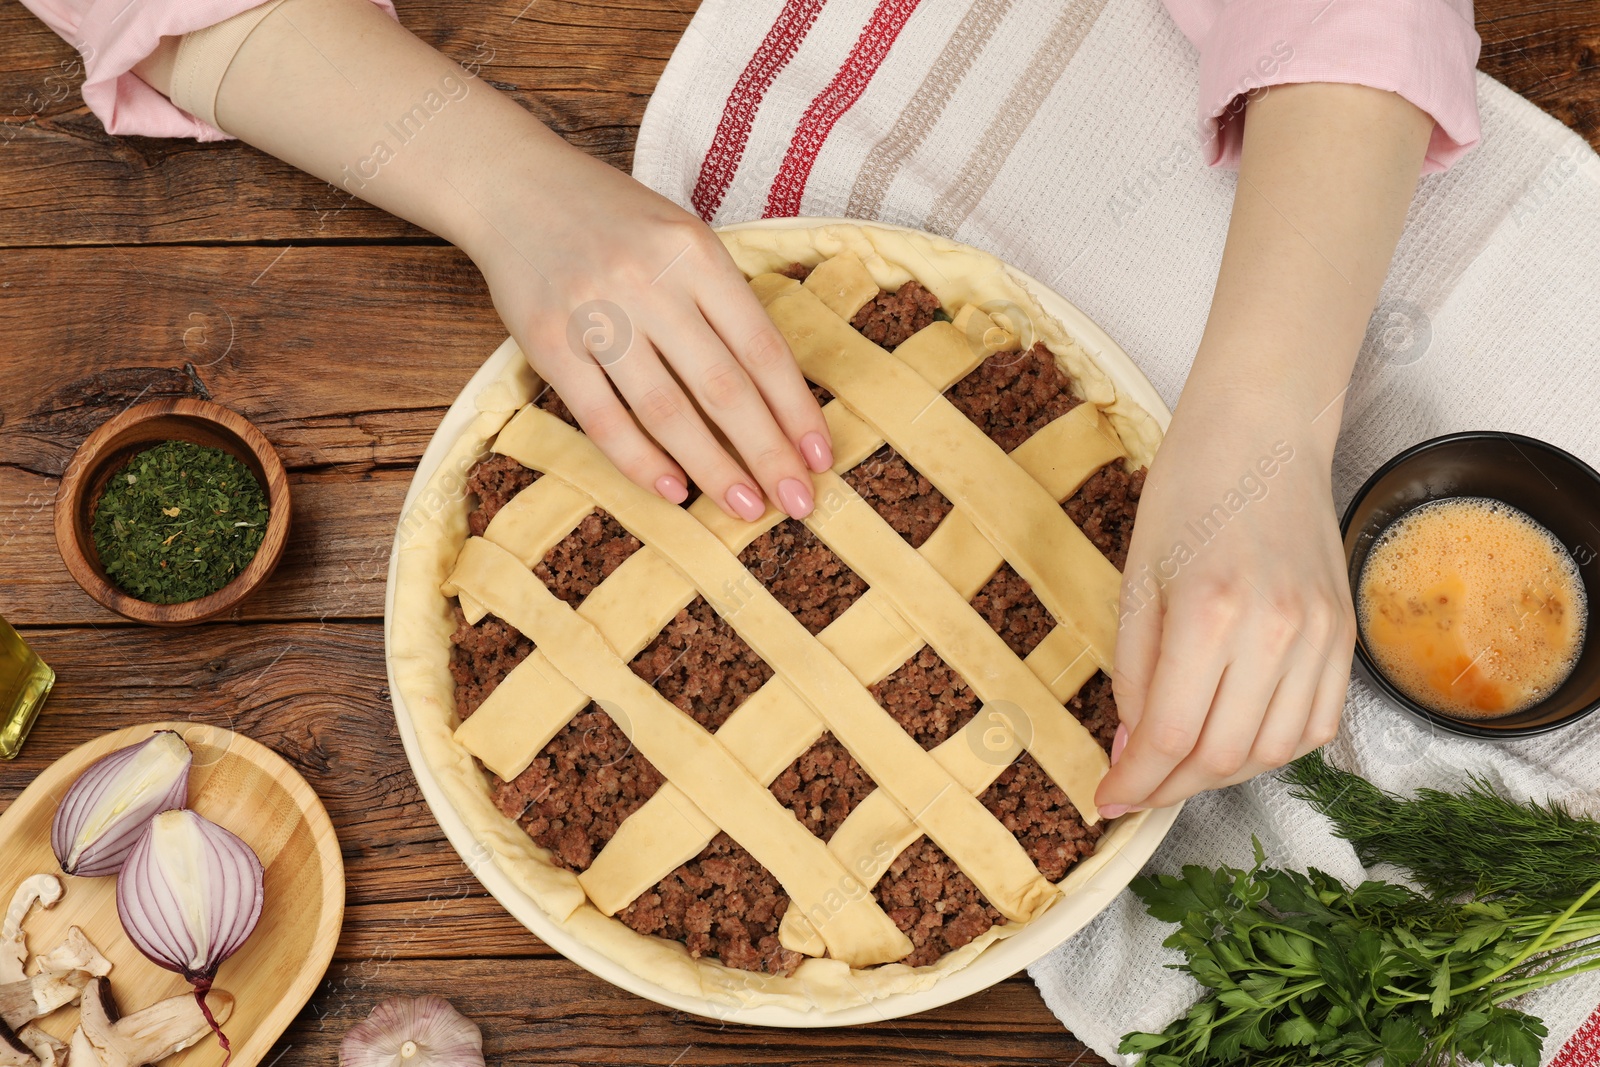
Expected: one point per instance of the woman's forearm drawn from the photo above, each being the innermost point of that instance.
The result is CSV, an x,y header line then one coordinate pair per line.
x,y
342,91
1234,651
1326,176
624,303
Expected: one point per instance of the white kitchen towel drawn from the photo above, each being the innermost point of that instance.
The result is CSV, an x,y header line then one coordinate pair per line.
x,y
1060,135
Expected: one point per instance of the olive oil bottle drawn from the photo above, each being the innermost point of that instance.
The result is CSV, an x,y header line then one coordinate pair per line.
x,y
25,681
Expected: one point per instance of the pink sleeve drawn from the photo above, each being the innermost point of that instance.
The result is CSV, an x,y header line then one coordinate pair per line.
x,y
114,35
1425,50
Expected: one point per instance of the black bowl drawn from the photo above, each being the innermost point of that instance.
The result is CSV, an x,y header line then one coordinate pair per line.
x,y
1555,488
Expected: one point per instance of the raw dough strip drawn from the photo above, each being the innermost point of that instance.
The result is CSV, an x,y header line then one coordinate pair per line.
x,y
772,728
533,702
952,817
876,831
856,930
950,626
1068,574
844,284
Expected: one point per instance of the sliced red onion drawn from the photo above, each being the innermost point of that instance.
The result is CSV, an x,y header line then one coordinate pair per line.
x,y
189,895
107,808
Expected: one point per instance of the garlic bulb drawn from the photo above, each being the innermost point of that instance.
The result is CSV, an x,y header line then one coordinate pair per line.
x,y
108,807
413,1032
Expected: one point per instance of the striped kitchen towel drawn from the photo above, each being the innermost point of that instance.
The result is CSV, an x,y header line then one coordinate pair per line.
x,y
1060,136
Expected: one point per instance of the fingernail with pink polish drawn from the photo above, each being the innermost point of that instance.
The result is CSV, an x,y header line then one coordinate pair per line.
x,y
818,456
672,489
1113,811
1118,743
745,502
794,496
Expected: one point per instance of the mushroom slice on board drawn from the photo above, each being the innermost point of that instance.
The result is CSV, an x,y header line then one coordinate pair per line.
x,y
41,889
148,1035
13,1053
32,998
49,1051
75,953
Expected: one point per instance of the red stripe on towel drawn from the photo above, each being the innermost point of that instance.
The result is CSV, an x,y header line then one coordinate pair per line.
x,y
870,50
739,113
1583,1047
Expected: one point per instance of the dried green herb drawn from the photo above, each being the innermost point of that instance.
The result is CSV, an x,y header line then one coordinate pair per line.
x,y
179,522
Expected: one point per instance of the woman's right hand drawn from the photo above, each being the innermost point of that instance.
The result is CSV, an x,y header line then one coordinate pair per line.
x,y
634,312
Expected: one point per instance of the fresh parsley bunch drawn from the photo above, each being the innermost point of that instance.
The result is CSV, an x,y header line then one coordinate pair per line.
x,y
1301,969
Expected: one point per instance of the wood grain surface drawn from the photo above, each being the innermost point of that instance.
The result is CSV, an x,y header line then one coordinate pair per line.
x,y
145,268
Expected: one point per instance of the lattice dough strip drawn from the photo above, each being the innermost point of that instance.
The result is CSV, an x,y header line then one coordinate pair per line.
x,y
876,831
856,930
952,628
767,736
967,832
1068,574
532,703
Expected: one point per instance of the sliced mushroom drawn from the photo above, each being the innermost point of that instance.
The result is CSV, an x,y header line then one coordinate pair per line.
x,y
79,1052
48,1051
13,1053
147,1036
75,953
41,889
22,1002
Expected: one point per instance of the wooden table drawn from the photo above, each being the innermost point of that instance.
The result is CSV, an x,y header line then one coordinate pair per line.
x,y
137,268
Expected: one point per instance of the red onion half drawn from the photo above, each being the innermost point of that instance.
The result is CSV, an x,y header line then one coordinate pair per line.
x,y
108,807
189,895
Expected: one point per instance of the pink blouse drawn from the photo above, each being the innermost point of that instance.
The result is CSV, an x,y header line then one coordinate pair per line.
x,y
115,35
1425,50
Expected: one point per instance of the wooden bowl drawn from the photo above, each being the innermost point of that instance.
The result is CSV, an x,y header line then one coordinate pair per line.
x,y
111,446
249,789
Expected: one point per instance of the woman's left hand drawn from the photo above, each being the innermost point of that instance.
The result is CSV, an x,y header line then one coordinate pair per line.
x,y
1237,630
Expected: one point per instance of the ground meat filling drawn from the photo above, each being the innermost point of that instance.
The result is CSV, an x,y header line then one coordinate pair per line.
x,y
1104,509
932,902
700,664
1096,708
494,481
888,319
586,557
1008,604
897,491
1040,817
579,789
802,573
550,401
927,698
722,904
1013,395
823,786
480,658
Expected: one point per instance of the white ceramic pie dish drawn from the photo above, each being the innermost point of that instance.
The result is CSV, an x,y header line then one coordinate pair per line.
x,y
1000,960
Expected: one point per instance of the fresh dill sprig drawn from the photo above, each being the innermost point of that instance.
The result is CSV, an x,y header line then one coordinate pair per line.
x,y
1475,842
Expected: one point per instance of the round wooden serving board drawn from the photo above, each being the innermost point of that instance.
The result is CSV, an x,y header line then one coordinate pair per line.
x,y
249,789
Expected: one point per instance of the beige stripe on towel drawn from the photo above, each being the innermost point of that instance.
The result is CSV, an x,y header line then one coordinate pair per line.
x,y
915,122
1022,103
